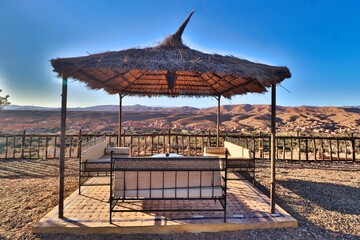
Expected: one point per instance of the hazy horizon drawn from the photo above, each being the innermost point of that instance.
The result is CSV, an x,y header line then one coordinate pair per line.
x,y
163,106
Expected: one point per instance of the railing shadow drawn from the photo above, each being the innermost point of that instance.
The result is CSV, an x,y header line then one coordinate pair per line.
x,y
25,168
302,188
344,199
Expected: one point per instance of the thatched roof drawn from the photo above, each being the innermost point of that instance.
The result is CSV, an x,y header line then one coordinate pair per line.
x,y
171,69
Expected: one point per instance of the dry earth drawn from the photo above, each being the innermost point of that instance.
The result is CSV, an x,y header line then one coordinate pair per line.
x,y
249,116
324,198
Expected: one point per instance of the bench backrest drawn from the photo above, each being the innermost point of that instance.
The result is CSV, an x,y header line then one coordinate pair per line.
x,y
236,151
214,151
118,150
169,177
94,152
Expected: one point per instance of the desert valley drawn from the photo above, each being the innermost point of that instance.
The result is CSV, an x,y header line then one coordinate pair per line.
x,y
138,118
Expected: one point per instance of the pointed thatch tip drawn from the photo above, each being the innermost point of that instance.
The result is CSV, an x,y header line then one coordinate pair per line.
x,y
175,40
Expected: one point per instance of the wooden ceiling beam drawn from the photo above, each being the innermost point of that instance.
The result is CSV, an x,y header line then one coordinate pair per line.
x,y
97,80
237,87
206,81
130,83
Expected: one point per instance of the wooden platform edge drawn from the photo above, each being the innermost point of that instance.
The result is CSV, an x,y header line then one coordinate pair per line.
x,y
193,228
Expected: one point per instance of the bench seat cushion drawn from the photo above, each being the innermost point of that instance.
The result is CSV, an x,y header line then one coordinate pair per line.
x,y
192,192
185,177
118,150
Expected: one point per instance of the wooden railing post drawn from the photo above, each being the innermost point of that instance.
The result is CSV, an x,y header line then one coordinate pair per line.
x,y
78,144
6,146
152,144
291,148
177,144
124,138
353,147
313,146
299,145
14,146
169,146
46,147
55,146
209,134
307,149
23,145
38,148
330,145
30,146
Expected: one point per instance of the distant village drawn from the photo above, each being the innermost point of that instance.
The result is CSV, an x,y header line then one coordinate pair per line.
x,y
304,126
74,125
49,123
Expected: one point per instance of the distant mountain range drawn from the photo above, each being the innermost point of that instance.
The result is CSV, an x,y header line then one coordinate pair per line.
x,y
240,116
138,107
106,108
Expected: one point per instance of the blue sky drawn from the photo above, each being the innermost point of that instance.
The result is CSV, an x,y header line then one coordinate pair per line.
x,y
317,40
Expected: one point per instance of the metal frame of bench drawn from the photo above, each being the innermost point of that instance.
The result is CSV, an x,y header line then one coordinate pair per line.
x,y
245,167
151,164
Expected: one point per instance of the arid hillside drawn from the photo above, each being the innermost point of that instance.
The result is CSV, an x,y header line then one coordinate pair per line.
x,y
242,117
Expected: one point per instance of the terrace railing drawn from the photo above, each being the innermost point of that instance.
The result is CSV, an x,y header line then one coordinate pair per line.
x,y
299,147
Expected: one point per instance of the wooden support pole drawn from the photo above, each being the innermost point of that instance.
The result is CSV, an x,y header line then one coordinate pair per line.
x,y
273,147
218,122
120,120
62,148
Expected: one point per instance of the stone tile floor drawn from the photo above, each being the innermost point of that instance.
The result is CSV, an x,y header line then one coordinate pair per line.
x,y
247,208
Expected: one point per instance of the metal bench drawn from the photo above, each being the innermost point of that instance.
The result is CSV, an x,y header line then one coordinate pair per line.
x,y
95,160
168,178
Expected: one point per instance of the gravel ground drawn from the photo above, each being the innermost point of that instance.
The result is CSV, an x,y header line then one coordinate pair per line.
x,y
323,197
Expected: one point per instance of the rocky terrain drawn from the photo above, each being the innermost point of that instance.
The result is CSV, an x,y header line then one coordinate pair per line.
x,y
323,197
238,118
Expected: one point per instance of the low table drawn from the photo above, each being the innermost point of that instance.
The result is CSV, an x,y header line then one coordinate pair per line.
x,y
164,155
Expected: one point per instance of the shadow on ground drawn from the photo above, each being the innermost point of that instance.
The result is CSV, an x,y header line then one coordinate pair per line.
x,y
318,192
34,168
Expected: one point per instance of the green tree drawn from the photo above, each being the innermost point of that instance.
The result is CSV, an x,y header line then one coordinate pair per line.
x,y
4,101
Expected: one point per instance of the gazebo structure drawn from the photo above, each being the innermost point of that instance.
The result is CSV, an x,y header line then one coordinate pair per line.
x,y
169,69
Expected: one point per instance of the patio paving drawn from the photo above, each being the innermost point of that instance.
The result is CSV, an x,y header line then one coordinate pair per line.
x,y
247,208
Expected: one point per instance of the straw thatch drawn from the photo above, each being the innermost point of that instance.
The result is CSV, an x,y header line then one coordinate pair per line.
x,y
171,69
